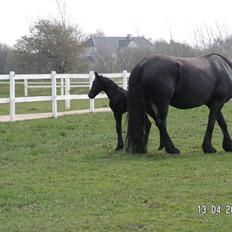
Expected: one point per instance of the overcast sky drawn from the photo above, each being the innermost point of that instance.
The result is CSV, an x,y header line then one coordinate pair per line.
x,y
154,19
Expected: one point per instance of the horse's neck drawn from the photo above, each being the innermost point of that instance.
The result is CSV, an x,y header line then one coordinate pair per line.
x,y
110,89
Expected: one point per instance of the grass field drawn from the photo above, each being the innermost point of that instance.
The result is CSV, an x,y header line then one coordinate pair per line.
x,y
63,175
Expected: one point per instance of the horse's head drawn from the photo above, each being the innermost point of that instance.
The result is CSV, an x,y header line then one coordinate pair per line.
x,y
97,86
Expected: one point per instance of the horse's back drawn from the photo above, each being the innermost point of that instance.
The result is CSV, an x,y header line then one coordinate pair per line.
x,y
186,82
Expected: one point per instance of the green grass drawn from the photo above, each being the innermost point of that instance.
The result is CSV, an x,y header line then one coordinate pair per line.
x,y
63,175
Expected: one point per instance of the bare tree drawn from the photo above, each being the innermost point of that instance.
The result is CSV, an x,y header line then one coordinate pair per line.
x,y
174,48
211,38
62,11
104,60
6,59
52,44
98,33
3,57
127,58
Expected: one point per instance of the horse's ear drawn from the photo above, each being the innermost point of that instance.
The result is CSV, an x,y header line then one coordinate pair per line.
x,y
96,75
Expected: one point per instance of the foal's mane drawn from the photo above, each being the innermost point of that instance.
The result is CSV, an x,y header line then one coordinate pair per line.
x,y
108,81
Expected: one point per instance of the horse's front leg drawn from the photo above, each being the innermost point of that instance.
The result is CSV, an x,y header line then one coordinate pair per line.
x,y
118,120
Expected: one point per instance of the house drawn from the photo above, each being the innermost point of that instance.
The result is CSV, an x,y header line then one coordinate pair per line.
x,y
112,45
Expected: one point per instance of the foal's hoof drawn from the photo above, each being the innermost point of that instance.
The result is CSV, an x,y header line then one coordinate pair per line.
x,y
172,150
209,149
227,146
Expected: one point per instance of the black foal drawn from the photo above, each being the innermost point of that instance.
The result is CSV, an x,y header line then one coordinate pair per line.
x,y
118,101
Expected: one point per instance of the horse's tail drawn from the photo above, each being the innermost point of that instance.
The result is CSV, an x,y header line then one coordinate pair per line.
x,y
138,123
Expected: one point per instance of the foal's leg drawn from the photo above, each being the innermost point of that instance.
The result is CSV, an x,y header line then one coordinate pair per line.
x,y
227,142
152,112
161,123
118,120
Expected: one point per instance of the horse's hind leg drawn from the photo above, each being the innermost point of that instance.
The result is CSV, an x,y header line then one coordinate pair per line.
x,y
148,127
214,108
161,123
118,120
161,146
152,112
227,142
207,146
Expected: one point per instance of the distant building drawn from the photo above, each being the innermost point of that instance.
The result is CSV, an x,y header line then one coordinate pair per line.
x,y
113,45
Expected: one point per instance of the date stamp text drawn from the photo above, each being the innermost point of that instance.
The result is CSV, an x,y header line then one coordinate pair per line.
x,y
214,209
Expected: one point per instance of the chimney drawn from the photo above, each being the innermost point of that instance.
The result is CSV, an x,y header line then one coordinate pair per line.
x,y
129,36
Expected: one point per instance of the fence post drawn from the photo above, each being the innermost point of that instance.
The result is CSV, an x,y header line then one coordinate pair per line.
x,y
12,96
124,79
54,96
61,86
67,93
91,101
25,88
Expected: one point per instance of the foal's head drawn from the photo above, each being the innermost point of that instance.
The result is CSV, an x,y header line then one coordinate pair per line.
x,y
97,86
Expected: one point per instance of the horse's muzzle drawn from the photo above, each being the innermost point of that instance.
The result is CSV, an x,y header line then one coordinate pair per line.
x,y
90,96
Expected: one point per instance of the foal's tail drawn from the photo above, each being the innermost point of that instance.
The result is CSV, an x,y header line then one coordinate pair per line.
x,y
138,123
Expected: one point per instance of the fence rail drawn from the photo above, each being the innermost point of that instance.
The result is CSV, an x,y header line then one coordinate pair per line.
x,y
63,81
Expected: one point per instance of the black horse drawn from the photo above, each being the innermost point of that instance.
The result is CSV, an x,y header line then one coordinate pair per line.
x,y
183,83
118,101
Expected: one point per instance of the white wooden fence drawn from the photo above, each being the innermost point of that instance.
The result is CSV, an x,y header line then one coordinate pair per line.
x,y
54,81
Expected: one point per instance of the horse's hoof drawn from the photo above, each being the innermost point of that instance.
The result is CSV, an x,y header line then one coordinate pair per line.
x,y
227,146
161,147
172,150
118,148
209,149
